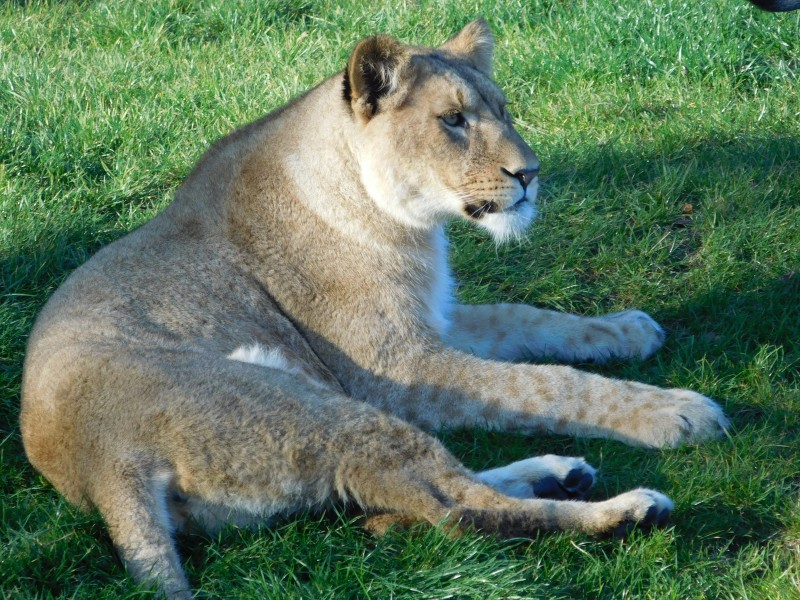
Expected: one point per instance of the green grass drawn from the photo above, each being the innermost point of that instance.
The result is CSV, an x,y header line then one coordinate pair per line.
x,y
669,133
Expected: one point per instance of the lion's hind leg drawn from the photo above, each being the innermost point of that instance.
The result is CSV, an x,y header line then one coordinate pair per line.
x,y
489,512
549,476
133,499
237,438
420,481
616,516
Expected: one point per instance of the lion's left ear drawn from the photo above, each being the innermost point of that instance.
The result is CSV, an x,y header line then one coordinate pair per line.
x,y
475,43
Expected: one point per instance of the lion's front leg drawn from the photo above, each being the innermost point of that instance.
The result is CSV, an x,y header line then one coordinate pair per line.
x,y
520,332
447,388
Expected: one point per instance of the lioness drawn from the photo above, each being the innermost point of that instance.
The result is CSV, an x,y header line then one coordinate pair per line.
x,y
281,334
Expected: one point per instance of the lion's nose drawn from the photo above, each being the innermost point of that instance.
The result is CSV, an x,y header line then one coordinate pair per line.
x,y
524,176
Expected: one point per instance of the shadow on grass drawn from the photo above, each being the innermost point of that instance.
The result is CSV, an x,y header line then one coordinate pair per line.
x,y
709,158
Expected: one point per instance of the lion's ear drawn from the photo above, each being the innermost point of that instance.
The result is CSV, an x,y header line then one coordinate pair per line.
x,y
475,43
373,72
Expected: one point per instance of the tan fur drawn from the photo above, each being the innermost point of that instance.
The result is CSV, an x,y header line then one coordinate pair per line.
x,y
276,338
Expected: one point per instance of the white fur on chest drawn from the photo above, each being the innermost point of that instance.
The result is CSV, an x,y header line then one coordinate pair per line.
x,y
440,301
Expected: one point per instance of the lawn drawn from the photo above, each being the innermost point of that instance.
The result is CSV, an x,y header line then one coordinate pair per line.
x,y
669,136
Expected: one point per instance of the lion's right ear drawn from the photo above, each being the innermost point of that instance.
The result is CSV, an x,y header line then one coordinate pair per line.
x,y
373,72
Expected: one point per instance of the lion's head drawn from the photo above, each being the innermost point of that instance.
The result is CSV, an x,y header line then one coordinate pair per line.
x,y
435,139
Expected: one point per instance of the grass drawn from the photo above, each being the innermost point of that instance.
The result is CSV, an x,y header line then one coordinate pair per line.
x,y
669,134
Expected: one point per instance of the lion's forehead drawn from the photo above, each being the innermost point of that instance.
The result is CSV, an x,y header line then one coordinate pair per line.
x,y
458,81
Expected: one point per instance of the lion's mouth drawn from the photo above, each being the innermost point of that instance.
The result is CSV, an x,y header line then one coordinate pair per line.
x,y
477,209
518,204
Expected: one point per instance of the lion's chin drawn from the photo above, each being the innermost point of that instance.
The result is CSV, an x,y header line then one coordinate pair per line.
x,y
511,223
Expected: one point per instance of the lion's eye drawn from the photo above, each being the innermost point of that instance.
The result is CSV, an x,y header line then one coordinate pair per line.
x,y
454,119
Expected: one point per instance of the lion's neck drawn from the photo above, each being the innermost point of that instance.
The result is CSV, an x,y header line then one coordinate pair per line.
x,y
328,177
293,187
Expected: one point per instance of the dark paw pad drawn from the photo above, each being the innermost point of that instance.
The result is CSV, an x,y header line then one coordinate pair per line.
x,y
550,488
662,518
575,485
652,518
578,483
623,529
649,518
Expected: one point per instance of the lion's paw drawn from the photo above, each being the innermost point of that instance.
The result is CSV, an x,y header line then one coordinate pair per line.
x,y
641,509
689,418
637,335
548,476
